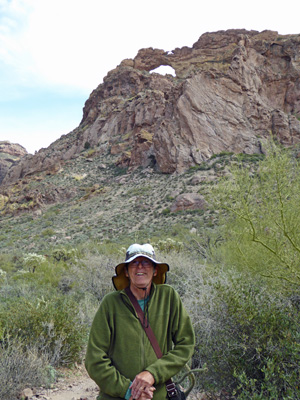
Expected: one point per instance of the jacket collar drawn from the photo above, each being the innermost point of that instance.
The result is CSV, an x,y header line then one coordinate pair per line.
x,y
127,301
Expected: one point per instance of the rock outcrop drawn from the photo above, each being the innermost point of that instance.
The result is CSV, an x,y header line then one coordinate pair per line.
x,y
10,154
232,90
189,201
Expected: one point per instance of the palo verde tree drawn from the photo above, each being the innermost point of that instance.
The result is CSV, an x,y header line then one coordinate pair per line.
x,y
260,205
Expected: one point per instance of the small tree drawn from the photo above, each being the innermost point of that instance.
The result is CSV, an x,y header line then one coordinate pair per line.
x,y
261,214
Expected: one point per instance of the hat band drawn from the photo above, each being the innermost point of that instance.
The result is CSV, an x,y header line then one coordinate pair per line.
x,y
128,256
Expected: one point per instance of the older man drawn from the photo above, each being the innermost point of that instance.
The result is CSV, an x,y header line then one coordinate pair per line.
x,y
120,357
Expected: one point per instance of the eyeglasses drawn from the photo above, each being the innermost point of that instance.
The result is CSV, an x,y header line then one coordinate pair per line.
x,y
145,263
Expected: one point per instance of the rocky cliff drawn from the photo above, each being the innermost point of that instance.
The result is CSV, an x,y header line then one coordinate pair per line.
x,y
10,154
232,90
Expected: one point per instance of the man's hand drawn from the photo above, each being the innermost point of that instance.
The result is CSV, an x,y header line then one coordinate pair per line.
x,y
142,386
146,394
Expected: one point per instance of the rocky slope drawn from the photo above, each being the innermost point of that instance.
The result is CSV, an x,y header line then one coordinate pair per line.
x,y
10,154
232,89
89,200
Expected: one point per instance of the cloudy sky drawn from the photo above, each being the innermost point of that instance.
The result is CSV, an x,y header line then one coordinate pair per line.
x,y
53,53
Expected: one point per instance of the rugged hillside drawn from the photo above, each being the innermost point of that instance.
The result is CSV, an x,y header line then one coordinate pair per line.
x,y
231,91
89,199
149,146
10,154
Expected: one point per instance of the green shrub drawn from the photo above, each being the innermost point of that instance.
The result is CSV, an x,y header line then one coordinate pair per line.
x,y
6,262
246,335
267,332
222,154
253,158
48,232
276,383
40,272
204,166
261,218
53,325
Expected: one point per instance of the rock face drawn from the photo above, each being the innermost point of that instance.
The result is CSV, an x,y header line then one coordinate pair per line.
x,y
189,201
232,90
10,154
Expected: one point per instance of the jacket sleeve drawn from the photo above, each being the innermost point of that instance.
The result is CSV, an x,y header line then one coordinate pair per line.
x,y
184,342
97,361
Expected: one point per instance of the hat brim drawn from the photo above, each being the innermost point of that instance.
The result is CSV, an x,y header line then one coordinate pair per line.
x,y
121,281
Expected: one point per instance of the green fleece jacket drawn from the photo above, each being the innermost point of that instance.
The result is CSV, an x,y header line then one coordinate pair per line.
x,y
118,348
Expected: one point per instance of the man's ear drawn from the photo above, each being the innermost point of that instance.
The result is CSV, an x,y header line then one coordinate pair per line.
x,y
126,272
155,271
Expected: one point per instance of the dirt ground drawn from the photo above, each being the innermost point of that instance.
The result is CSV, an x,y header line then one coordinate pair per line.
x,y
71,386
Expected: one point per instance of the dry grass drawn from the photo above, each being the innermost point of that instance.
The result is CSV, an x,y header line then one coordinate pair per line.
x,y
20,368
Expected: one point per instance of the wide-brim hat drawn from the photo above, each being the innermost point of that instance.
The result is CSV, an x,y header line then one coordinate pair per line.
x,y
121,281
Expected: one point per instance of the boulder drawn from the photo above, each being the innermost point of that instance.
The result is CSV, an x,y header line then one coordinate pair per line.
x,y
188,201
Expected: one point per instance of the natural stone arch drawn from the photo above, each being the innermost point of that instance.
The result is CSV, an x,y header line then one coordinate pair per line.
x,y
164,70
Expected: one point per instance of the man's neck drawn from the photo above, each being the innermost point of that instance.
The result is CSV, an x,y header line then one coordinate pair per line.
x,y
140,294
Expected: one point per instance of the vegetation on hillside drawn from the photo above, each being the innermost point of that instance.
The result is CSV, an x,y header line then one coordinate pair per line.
x,y
261,216
238,277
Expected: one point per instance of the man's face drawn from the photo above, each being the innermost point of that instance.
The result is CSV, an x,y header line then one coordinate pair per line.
x,y
140,272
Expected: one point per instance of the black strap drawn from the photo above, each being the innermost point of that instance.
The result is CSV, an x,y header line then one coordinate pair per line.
x,y
170,385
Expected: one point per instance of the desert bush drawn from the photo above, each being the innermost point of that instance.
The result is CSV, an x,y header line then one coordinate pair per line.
x,y
263,342
248,337
92,276
261,218
47,232
52,324
50,273
6,262
21,367
243,334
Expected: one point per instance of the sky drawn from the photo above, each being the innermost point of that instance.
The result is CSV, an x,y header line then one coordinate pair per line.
x,y
54,53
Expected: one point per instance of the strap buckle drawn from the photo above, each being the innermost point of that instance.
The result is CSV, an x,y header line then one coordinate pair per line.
x,y
171,390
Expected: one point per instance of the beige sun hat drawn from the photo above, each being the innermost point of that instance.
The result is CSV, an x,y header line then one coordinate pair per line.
x,y
121,281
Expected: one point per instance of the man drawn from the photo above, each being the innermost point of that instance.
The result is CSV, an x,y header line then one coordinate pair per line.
x,y
120,358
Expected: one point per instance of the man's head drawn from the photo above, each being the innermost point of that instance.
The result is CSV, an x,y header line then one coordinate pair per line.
x,y
140,272
140,265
